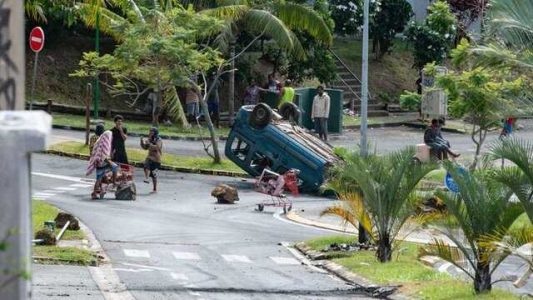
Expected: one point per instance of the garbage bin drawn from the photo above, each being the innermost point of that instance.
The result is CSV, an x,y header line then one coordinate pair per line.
x,y
304,100
270,98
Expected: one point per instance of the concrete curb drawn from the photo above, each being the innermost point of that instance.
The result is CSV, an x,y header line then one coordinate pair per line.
x,y
163,167
134,134
423,126
379,125
370,288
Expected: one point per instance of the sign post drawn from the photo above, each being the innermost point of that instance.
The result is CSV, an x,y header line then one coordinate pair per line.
x,y
36,45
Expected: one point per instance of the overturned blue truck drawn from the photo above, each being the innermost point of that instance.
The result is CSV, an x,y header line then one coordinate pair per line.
x,y
260,138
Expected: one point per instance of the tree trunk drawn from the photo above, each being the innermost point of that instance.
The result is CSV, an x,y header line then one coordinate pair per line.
x,y
212,133
231,100
384,252
482,280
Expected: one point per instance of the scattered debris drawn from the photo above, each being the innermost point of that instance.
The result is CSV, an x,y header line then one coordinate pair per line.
x,y
349,247
225,194
47,236
62,219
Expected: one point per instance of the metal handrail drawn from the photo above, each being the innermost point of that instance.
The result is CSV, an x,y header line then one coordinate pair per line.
x,y
347,69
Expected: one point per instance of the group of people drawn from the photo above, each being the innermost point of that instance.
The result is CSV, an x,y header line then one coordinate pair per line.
x,y
108,150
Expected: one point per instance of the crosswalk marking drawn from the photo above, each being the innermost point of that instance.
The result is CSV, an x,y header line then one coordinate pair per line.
x,y
81,185
236,258
284,260
52,191
179,276
65,188
44,194
186,255
136,253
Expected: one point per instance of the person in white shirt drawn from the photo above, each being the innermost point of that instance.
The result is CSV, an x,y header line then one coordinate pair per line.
x,y
320,112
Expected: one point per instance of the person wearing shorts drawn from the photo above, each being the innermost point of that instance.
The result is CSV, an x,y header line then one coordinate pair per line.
x,y
152,163
100,161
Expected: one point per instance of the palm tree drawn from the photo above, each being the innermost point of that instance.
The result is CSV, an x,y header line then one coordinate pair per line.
x,y
519,177
481,209
509,35
384,186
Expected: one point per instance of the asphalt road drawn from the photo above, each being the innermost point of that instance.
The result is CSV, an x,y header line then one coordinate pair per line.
x,y
383,140
180,244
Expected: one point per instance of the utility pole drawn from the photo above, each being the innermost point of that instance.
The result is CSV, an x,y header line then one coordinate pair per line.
x,y
96,92
363,238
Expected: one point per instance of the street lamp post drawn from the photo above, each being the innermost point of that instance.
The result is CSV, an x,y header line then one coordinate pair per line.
x,y
96,91
363,238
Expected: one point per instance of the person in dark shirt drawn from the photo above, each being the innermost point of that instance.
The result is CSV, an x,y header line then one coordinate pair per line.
x,y
118,147
433,138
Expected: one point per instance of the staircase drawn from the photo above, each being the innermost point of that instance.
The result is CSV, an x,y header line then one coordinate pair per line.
x,y
351,85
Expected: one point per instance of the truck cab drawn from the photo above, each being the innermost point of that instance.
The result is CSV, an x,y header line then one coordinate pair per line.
x,y
259,140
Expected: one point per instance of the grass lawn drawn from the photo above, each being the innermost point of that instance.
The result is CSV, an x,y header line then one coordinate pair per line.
x,y
138,155
356,121
42,211
416,279
137,126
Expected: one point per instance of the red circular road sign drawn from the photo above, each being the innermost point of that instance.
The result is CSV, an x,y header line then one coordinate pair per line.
x,y
37,39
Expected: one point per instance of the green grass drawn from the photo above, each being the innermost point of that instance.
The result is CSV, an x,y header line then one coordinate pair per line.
x,y
138,126
416,279
41,212
356,121
436,176
65,255
138,155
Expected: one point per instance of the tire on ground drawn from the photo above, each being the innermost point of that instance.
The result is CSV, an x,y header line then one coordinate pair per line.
x,y
261,116
289,111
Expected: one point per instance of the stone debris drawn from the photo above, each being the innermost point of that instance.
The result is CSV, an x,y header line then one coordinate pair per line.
x,y
225,194
62,219
47,236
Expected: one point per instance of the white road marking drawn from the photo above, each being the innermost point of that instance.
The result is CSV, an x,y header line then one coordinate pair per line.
x,y
179,276
191,286
81,185
53,191
66,178
136,253
145,267
236,258
44,194
444,267
186,255
195,294
65,188
284,260
133,270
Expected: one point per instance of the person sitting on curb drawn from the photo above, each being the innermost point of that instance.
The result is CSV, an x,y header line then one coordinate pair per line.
x,y
433,138
152,163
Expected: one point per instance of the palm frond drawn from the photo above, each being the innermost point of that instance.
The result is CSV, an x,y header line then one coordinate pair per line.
x,y
229,12
263,21
35,11
297,16
171,102
109,22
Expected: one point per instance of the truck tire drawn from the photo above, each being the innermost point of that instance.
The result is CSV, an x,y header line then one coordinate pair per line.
x,y
260,116
289,111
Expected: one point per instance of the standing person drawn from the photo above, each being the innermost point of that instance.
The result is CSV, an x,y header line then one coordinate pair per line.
x,y
508,125
320,112
287,93
152,163
97,133
251,95
118,147
101,162
192,101
213,100
273,85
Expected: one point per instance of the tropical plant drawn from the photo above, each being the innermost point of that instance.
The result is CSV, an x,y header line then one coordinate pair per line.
x,y
378,192
484,96
481,208
519,176
390,18
433,39
410,100
509,37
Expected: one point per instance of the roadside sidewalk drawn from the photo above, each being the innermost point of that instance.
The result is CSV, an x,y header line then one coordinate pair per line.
x,y
64,282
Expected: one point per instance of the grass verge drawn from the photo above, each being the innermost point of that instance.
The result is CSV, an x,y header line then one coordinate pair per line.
x,y
356,121
416,279
138,155
42,211
138,127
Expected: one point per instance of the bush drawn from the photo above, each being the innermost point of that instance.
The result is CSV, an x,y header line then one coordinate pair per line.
x,y
410,100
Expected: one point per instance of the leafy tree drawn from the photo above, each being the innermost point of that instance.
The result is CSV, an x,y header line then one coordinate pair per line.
x,y
519,177
467,12
348,16
378,192
432,40
390,18
160,53
484,96
481,208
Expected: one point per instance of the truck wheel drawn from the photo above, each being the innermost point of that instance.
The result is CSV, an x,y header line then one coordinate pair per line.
x,y
289,111
261,116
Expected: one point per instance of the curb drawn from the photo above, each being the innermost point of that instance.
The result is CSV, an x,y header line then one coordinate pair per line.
x,y
370,288
134,134
163,167
423,126
379,125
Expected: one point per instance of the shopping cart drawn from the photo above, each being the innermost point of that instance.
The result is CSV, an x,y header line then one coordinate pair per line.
x,y
273,184
125,185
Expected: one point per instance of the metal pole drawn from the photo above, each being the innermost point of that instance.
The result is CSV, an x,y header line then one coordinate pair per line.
x,y
96,93
33,79
364,100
